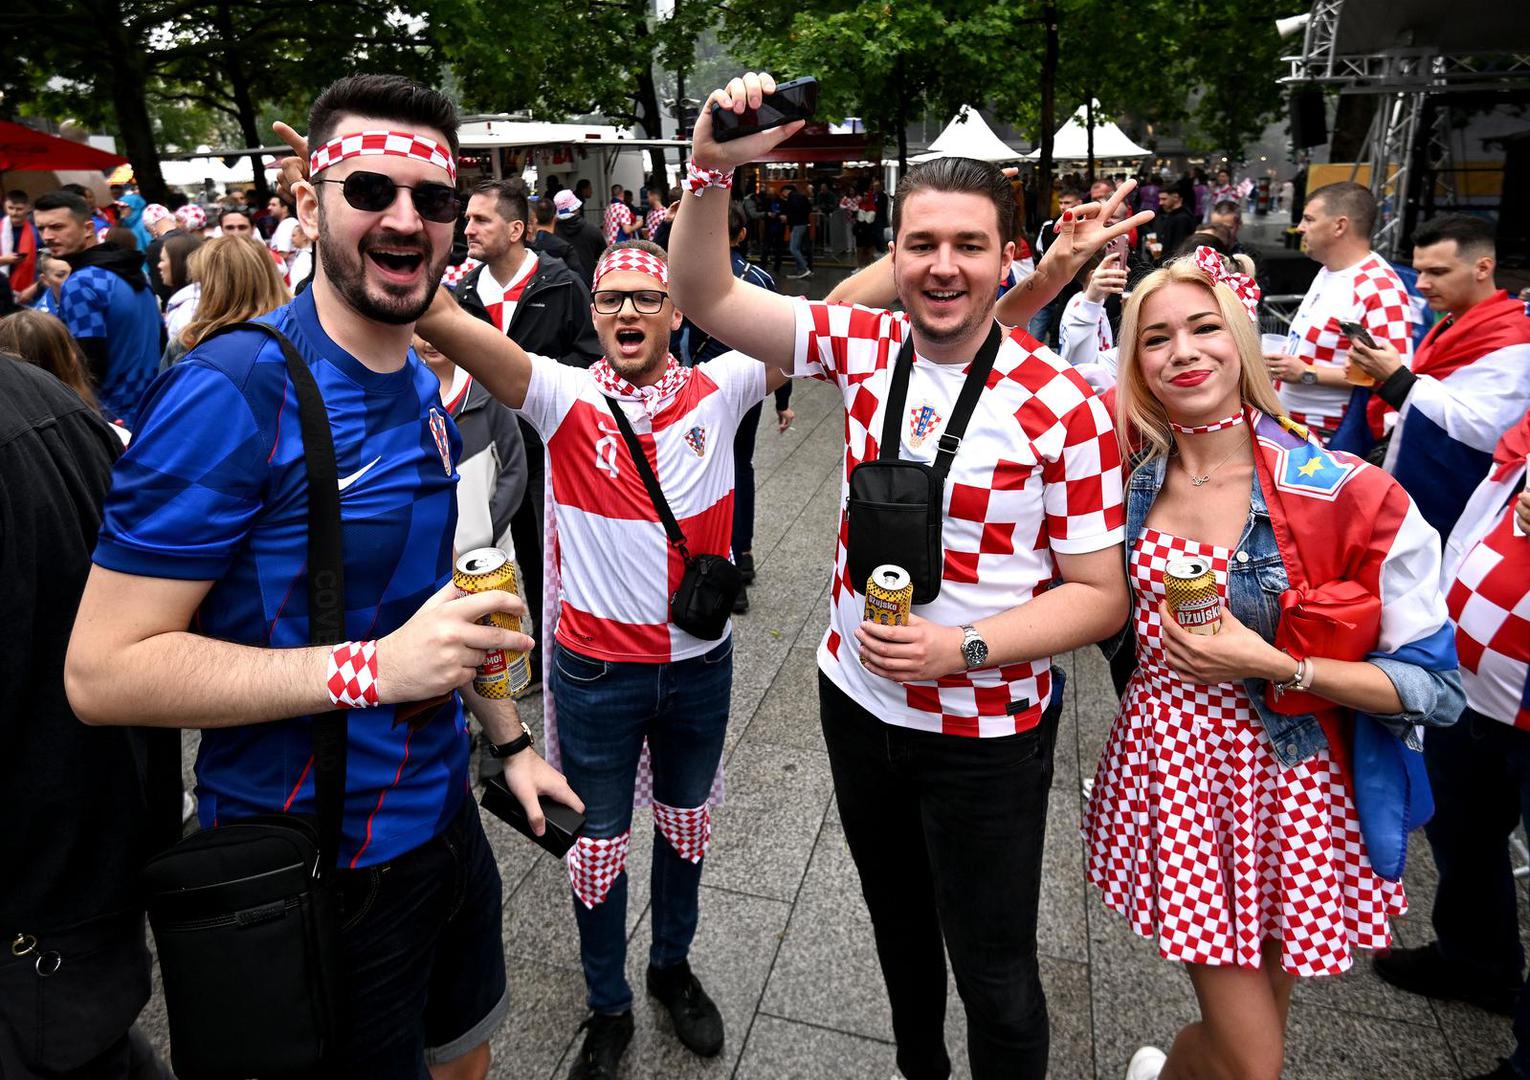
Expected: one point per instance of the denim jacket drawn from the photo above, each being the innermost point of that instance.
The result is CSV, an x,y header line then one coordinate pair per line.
x,y
1256,578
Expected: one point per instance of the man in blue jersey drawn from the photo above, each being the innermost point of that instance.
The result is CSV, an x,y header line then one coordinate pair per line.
x,y
206,528
106,303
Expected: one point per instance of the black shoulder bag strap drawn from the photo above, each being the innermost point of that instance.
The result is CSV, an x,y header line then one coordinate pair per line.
x,y
951,439
650,481
326,584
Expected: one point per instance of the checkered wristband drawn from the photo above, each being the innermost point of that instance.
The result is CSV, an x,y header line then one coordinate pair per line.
x,y
697,179
352,677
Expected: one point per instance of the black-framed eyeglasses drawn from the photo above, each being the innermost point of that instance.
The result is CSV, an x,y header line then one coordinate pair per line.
x,y
644,301
374,192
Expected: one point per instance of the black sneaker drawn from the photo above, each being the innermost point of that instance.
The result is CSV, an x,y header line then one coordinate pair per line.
x,y
697,1022
741,602
1423,971
605,1041
744,560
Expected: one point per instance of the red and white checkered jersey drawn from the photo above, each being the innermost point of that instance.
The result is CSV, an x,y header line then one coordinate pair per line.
x,y
653,219
619,219
454,275
617,567
500,300
1487,588
1369,293
1038,474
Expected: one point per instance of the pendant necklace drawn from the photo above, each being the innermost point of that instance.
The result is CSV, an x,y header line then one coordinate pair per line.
x,y
1205,477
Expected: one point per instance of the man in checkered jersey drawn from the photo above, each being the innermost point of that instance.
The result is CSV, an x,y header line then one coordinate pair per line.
x,y
1480,767
1354,285
621,671
940,733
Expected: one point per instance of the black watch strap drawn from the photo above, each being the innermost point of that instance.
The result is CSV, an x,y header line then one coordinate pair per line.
x,y
500,751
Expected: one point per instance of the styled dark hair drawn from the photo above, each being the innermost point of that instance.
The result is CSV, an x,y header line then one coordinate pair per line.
x,y
1227,206
738,221
1351,200
1473,235
75,189
64,199
121,236
545,209
959,175
242,211
509,198
179,248
381,97
17,195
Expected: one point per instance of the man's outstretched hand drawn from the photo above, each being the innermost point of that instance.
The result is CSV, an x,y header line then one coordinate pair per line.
x,y
289,170
744,92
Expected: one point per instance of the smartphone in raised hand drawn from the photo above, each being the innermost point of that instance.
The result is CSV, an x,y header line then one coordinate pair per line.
x,y
795,100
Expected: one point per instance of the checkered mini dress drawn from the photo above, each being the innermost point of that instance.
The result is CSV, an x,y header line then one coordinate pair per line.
x,y
1200,837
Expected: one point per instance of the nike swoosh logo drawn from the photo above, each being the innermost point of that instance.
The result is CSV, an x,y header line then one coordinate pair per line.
x,y
347,481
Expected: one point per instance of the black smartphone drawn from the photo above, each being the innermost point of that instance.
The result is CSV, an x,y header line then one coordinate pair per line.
x,y
1355,332
564,823
795,100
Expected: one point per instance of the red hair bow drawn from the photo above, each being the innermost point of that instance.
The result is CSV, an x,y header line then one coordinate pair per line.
x,y
1244,287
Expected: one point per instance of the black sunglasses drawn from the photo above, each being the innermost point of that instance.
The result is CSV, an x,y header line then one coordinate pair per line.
x,y
374,192
644,301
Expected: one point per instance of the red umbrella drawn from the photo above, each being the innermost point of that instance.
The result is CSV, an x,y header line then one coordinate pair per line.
x,y
23,149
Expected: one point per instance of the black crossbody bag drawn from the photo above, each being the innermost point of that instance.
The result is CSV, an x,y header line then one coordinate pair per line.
x,y
244,915
896,508
704,599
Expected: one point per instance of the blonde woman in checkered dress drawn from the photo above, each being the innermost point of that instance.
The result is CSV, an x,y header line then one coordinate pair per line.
x,y
1222,831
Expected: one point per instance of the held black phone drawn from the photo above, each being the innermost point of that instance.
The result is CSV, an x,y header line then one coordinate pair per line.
x,y
1355,332
564,823
795,100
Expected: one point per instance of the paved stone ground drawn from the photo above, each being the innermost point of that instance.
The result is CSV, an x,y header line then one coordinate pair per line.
x,y
785,945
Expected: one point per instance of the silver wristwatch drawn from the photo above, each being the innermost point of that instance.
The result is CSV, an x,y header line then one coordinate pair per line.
x,y
974,648
1309,376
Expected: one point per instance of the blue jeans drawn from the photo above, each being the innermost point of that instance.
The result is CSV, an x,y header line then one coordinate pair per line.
x,y
798,248
1480,772
605,710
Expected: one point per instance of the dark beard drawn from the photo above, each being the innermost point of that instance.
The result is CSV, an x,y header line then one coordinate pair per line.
x,y
969,325
346,272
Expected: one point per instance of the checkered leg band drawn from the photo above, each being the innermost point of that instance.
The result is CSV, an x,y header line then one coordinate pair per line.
x,y
352,679
689,832
627,258
593,865
396,143
697,179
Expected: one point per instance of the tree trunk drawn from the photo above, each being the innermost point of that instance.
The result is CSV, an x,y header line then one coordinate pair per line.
x,y
902,118
646,100
1089,135
244,103
1048,111
133,123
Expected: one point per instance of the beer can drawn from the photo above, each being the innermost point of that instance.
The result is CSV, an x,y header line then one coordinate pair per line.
x,y
503,673
1191,589
889,596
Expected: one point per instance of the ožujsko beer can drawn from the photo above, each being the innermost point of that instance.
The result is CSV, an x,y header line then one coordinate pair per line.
x,y
1190,586
503,673
889,596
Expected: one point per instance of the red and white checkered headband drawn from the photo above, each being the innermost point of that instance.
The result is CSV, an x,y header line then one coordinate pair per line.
x,y
367,143
1208,262
631,259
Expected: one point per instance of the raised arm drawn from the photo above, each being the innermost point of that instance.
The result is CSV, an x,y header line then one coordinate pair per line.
x,y
750,319
489,356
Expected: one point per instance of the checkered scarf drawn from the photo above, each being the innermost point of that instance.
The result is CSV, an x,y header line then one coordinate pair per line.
x,y
653,397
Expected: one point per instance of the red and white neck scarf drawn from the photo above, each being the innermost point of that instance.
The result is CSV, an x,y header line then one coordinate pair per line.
x,y
634,259
652,397
1206,429
394,143
500,300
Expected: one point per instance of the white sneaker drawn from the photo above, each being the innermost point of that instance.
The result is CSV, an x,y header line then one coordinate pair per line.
x,y
188,806
1146,1064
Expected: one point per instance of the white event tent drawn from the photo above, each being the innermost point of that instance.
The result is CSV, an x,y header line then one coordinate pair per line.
x,y
969,136
1071,143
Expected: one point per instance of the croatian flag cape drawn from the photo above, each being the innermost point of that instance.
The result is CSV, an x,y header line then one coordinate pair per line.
x,y
1364,567
1472,387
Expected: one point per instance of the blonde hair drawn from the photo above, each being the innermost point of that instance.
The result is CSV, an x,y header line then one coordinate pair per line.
x,y
1142,423
238,280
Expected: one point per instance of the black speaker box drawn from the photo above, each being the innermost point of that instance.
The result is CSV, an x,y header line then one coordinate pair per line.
x,y
1309,118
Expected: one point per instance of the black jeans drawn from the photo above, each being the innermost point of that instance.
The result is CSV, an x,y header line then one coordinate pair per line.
x,y
1479,769
947,836
743,480
526,532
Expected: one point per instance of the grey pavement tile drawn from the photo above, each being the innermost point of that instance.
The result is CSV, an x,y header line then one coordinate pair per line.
x,y
1137,997
1096,706
546,1007
1329,1044
764,833
1361,990
788,712
735,944
785,1050
1061,927
515,854
1477,1038
1067,988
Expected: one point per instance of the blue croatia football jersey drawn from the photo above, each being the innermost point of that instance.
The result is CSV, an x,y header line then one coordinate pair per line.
x,y
213,488
96,303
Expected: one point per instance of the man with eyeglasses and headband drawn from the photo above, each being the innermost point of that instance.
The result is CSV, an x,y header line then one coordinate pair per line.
x,y
620,671
195,613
